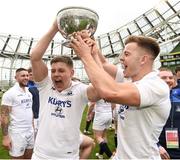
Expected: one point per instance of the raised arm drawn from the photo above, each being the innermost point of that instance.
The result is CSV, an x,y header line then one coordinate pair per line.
x,y
97,54
6,141
100,59
105,85
108,67
92,94
40,70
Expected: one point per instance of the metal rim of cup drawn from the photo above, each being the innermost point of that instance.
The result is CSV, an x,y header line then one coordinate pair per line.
x,y
76,7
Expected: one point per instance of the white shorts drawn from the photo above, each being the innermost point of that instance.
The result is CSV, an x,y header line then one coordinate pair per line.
x,y
21,141
102,121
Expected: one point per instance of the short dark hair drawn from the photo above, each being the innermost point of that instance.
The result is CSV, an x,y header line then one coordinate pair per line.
x,y
20,69
147,43
65,59
29,69
177,69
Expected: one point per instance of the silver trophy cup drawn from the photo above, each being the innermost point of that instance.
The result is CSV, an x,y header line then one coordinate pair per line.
x,y
73,19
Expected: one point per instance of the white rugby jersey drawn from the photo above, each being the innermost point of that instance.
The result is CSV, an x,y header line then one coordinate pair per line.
x,y
139,127
21,116
60,116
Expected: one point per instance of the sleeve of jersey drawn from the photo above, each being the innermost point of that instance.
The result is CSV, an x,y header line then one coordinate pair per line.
x,y
151,93
83,89
7,99
44,83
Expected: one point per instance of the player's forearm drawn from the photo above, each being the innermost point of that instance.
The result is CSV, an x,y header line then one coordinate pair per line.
x,y
40,70
91,107
109,68
101,80
97,60
5,128
101,57
4,120
40,48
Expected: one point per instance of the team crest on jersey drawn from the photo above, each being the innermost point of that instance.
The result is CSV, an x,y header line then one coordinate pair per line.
x,y
70,93
122,110
58,112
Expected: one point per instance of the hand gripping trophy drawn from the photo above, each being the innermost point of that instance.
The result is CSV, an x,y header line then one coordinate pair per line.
x,y
73,19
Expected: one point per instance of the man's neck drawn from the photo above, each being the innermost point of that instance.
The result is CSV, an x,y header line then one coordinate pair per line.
x,y
146,69
22,87
140,76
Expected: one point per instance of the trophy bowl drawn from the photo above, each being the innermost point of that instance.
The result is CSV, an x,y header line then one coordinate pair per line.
x,y
73,19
